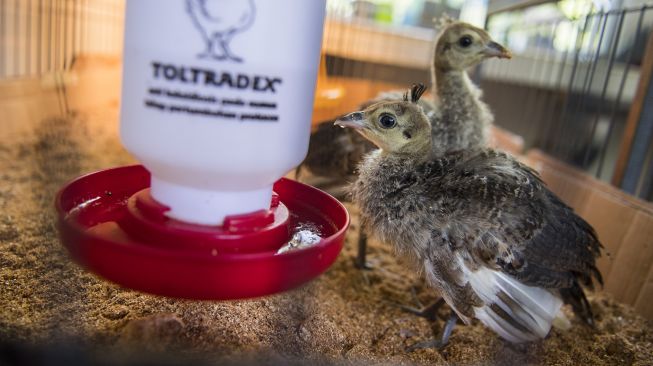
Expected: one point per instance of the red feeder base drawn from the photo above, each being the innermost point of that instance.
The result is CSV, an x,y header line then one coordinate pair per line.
x,y
111,226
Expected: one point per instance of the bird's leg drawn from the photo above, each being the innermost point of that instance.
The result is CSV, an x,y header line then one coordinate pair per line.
x,y
208,53
212,43
444,337
224,43
361,262
429,312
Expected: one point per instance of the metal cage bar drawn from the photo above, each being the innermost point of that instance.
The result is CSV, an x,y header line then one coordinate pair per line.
x,y
572,97
46,36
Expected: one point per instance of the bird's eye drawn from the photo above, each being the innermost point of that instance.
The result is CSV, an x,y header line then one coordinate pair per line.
x,y
387,120
465,41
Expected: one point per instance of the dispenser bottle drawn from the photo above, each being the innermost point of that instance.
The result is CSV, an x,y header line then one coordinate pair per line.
x,y
217,99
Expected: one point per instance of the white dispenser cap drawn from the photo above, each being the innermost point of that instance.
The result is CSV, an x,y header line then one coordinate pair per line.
x,y
207,207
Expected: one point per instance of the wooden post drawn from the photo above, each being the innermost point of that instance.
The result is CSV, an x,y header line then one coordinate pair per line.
x,y
634,116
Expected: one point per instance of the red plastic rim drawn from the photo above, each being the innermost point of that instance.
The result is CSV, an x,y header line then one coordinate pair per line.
x,y
93,208
145,222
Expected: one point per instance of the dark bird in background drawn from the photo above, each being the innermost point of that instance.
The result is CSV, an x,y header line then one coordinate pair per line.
x,y
495,242
219,21
333,156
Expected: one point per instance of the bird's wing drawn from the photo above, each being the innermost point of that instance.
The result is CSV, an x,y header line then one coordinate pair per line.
x,y
502,213
229,16
514,240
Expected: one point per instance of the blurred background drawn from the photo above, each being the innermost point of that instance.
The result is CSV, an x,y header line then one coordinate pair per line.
x,y
576,88
575,102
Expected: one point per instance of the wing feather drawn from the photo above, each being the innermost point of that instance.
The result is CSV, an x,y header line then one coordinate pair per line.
x,y
519,241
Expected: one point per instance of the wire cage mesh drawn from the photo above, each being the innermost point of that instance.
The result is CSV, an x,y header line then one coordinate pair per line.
x,y
577,88
572,86
46,36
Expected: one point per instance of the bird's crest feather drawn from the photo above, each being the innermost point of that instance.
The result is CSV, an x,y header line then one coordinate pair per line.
x,y
442,22
416,92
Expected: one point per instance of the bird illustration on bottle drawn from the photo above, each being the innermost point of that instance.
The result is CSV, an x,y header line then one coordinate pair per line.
x,y
219,21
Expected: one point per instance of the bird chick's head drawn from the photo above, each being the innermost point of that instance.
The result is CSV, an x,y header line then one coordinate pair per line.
x,y
461,45
399,127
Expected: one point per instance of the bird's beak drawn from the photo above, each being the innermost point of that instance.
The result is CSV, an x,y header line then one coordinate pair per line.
x,y
494,49
354,120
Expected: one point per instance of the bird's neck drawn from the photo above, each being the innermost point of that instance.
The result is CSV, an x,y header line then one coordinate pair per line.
x,y
464,116
380,171
418,150
452,83
409,158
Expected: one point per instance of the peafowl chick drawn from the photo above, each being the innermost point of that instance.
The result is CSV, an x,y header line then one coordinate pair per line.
x,y
463,119
459,119
488,234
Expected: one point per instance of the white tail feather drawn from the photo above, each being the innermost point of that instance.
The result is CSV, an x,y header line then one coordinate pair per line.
x,y
501,327
531,310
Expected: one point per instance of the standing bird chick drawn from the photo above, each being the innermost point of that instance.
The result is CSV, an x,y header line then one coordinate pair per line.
x,y
490,237
460,119
463,119
219,21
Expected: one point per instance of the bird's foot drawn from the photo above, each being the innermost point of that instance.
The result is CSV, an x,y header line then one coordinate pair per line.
x,y
444,337
227,51
429,312
433,343
362,264
234,58
211,55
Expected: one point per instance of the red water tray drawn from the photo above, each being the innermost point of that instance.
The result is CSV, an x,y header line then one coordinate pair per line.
x,y
112,227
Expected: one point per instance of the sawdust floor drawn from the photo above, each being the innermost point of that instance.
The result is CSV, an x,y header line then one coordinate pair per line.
x,y
344,317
